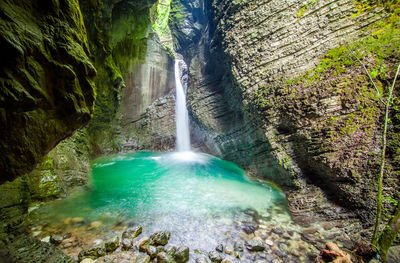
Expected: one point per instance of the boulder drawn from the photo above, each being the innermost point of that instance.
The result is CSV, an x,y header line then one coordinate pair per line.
x,y
215,257
111,244
160,238
56,239
92,253
255,245
132,232
181,255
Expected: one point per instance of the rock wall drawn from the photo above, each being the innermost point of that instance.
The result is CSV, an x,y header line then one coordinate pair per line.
x,y
246,108
135,69
47,88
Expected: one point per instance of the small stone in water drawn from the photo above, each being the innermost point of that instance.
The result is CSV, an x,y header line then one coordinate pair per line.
x,y
87,260
160,238
152,251
77,220
236,254
95,224
126,243
46,239
269,242
238,246
215,256
93,253
181,255
226,261
56,239
255,245
142,258
163,257
277,231
132,232
229,250
170,250
112,244
220,248
202,260
143,243
67,235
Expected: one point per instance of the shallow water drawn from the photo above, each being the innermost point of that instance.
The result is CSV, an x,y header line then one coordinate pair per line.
x,y
199,198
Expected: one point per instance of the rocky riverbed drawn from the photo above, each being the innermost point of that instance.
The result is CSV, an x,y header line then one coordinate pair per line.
x,y
254,238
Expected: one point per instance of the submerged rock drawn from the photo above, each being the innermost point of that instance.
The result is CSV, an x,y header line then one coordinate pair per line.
x,y
215,256
142,258
112,244
92,253
163,257
181,255
238,246
132,232
126,243
170,250
202,260
160,238
143,244
255,245
56,239
220,248
152,251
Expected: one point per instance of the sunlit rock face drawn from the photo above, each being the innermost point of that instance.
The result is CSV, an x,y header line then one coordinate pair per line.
x,y
46,80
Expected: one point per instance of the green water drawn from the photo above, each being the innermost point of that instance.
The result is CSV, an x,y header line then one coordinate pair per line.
x,y
198,197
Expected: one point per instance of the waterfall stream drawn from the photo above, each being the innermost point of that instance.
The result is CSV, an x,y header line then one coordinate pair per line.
x,y
182,117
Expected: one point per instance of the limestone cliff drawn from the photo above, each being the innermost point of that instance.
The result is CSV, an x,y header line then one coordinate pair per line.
x,y
254,98
46,80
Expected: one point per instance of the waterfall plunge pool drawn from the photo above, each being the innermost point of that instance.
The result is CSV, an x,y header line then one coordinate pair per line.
x,y
202,200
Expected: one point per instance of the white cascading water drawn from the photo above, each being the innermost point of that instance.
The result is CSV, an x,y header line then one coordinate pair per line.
x,y
182,117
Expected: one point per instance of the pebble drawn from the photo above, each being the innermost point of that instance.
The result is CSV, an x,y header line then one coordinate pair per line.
x,y
269,242
310,231
95,224
228,250
87,260
46,239
328,226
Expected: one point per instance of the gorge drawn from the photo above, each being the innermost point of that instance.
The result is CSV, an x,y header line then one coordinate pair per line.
x,y
276,87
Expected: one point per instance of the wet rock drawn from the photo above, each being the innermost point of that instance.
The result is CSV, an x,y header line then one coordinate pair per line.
x,y
163,257
237,254
269,242
226,261
132,232
228,250
162,249
56,239
328,225
202,260
126,243
331,252
277,231
112,244
160,238
181,255
254,214
95,224
87,260
170,250
46,239
92,253
238,246
249,228
67,235
214,256
77,220
143,244
255,245
310,231
220,248
152,251
142,258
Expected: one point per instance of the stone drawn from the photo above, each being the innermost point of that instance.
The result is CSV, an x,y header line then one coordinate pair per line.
x,y
160,238
126,243
332,252
269,242
152,251
56,239
77,220
220,248
238,246
277,231
142,258
95,224
249,228
163,257
228,250
170,250
202,260
132,232
226,261
87,260
46,239
328,225
111,244
237,254
143,244
92,253
255,245
181,255
310,231
214,256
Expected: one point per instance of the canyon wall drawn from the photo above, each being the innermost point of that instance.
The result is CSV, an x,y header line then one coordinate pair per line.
x,y
273,89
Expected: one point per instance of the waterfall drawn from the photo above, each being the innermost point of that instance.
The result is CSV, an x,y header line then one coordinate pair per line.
x,y
182,117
